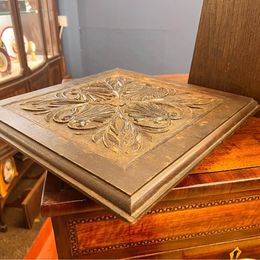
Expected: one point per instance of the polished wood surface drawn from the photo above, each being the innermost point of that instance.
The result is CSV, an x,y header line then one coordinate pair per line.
x,y
44,247
243,144
207,215
172,225
227,51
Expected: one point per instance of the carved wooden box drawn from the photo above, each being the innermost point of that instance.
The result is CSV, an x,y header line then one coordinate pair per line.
x,y
122,138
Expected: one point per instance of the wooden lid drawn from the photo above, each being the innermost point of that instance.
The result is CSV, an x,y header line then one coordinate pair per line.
x,y
122,138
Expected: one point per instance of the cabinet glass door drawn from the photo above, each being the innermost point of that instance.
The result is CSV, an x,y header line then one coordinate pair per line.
x,y
31,26
50,27
9,58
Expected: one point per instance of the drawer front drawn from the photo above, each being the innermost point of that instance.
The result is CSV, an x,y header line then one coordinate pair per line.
x,y
164,230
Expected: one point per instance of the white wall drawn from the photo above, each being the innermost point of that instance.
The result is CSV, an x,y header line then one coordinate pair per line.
x,y
150,36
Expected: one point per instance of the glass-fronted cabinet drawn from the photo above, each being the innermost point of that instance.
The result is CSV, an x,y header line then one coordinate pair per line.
x,y
9,58
29,46
32,33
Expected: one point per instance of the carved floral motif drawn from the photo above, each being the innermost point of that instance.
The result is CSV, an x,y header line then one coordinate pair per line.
x,y
118,111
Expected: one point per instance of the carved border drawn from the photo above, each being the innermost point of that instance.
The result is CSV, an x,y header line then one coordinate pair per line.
x,y
75,251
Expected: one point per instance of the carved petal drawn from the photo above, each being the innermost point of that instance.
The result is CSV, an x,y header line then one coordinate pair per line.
x,y
97,92
117,84
151,117
142,91
98,136
122,136
91,117
47,104
175,112
71,94
193,101
65,114
35,105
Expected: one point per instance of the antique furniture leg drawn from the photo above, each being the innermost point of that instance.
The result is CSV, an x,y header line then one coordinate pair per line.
x,y
3,227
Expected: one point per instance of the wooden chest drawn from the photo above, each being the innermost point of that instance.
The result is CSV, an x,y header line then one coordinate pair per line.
x,y
209,214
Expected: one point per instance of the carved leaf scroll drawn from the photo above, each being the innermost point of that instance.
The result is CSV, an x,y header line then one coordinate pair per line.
x,y
118,111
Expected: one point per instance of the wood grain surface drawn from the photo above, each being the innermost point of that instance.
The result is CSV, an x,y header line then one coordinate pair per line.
x,y
227,51
245,143
164,225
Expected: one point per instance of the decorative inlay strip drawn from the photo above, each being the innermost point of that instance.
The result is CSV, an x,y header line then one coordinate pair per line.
x,y
75,251
73,222
205,204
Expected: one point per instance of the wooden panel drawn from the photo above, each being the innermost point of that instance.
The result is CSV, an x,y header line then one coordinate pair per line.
x,y
15,89
44,247
245,143
40,80
166,225
249,247
31,204
55,74
49,74
227,51
164,228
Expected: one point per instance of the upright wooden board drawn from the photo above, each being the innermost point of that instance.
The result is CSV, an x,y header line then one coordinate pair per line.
x,y
227,51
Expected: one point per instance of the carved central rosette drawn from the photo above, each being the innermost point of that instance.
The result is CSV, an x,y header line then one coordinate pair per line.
x,y
117,111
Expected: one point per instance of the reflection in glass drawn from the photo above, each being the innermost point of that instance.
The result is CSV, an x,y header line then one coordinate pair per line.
x,y
30,18
9,58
